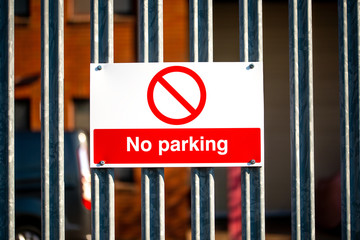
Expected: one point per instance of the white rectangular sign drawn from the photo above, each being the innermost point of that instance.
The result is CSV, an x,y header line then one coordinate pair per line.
x,y
176,114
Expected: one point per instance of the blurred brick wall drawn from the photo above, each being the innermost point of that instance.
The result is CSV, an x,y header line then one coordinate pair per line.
x,y
177,206
77,52
76,70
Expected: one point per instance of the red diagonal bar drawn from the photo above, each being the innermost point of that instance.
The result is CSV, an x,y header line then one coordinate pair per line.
x,y
176,95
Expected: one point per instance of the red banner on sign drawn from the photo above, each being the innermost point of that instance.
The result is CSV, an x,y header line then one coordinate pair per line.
x,y
177,147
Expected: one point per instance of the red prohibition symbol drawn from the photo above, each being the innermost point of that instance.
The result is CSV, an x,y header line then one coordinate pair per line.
x,y
159,78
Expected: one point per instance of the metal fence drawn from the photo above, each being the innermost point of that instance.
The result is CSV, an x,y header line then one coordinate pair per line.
x,y
202,180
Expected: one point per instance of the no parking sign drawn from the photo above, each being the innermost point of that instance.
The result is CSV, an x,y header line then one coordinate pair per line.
x,y
176,114
193,111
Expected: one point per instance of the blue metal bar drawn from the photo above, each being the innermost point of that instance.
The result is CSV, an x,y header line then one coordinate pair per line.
x,y
252,179
302,120
94,31
202,179
152,203
201,30
155,30
102,204
102,180
252,203
202,203
7,191
349,65
52,119
152,179
151,31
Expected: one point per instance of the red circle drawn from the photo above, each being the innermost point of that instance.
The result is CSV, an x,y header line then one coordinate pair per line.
x,y
155,110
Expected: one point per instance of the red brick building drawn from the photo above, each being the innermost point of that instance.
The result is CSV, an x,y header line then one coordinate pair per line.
x,y
77,51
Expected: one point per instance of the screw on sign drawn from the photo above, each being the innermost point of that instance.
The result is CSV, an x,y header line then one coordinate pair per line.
x,y
193,112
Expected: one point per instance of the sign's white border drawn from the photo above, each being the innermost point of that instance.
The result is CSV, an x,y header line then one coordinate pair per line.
x,y
118,100
177,165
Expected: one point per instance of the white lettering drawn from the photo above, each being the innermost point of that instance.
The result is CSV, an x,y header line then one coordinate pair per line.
x,y
208,145
148,145
129,143
201,143
162,148
222,150
197,145
175,145
193,144
184,142
145,144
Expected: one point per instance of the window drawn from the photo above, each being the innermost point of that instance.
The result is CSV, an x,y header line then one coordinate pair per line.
x,y
22,8
79,10
22,11
22,115
82,114
120,6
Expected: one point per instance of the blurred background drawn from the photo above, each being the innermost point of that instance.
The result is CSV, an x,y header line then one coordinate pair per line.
x,y
176,49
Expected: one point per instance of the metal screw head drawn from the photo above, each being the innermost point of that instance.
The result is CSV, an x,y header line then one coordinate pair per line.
x,y
252,161
102,163
98,68
251,66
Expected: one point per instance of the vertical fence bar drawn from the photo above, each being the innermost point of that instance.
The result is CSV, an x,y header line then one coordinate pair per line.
x,y
102,180
202,203
252,179
52,119
7,193
202,179
302,129
45,224
152,203
152,180
349,116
